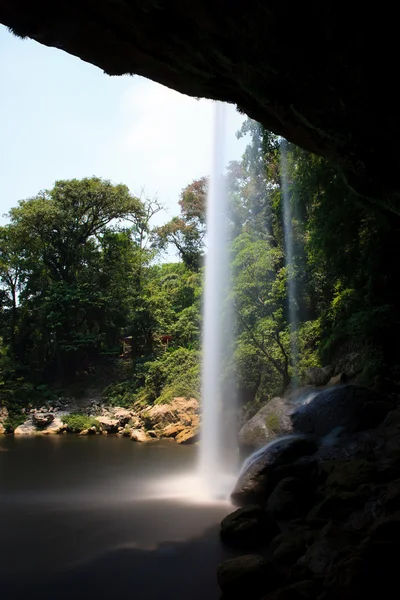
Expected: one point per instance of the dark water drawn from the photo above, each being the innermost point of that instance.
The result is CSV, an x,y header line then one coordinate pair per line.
x,y
86,517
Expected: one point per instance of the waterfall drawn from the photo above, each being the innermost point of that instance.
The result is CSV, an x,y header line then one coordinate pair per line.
x,y
289,254
216,326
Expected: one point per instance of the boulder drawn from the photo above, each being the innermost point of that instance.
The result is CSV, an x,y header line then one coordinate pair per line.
x,y
371,572
391,500
391,434
348,407
338,505
138,435
290,499
152,434
126,432
247,577
338,379
26,428
270,422
172,430
248,527
301,590
330,543
262,471
178,411
189,435
3,419
42,419
352,473
108,424
372,412
122,415
179,419
318,376
384,385
56,426
287,547
386,529
349,365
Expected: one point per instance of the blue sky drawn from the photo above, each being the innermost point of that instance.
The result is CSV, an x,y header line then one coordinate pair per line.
x,y
62,118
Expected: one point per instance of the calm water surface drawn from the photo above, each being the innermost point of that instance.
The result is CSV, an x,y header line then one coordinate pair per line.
x,y
84,517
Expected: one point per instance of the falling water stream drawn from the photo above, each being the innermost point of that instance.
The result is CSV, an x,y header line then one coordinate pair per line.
x,y
213,467
289,253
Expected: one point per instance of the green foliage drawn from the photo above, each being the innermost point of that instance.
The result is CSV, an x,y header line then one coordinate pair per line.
x,y
173,374
345,267
308,341
14,419
259,297
186,233
174,294
77,422
14,387
71,275
122,393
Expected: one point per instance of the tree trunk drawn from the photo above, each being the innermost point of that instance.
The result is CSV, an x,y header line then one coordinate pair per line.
x,y
13,319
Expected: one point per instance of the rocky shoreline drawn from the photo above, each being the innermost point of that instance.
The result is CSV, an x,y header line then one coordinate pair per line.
x,y
178,420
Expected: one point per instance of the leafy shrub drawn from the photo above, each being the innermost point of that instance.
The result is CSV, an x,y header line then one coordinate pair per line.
x,y
77,422
175,373
308,340
13,421
124,393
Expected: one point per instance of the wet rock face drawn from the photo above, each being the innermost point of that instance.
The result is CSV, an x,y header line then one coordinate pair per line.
x,y
247,576
319,376
339,529
348,407
290,499
270,422
265,468
317,420
305,70
248,527
315,411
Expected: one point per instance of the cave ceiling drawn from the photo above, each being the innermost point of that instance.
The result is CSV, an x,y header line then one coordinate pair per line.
x,y
322,74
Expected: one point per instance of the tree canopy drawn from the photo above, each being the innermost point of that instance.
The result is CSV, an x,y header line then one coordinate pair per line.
x,y
82,268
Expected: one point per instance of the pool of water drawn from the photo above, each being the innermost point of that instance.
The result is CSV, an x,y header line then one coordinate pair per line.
x,y
85,517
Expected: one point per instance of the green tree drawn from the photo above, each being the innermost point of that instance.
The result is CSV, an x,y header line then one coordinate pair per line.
x,y
13,273
186,232
259,295
60,222
83,270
